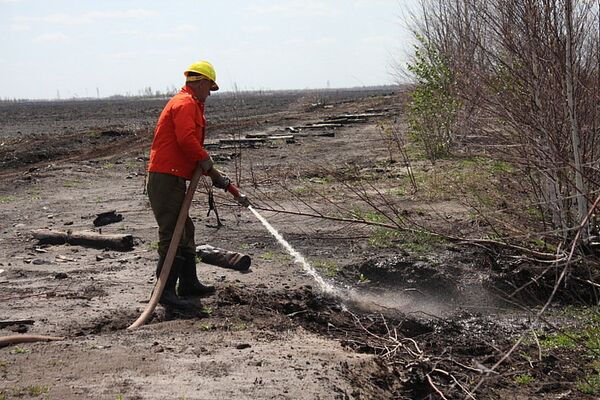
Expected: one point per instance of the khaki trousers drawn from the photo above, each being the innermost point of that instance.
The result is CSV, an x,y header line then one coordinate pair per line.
x,y
166,193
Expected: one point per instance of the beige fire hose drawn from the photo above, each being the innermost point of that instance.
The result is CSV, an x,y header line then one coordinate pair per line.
x,y
16,339
166,268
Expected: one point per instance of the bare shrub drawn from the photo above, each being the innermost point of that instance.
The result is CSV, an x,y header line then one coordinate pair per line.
x,y
527,72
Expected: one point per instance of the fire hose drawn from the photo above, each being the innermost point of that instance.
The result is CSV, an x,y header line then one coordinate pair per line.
x,y
176,238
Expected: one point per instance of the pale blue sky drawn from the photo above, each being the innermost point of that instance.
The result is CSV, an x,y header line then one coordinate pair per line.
x,y
76,46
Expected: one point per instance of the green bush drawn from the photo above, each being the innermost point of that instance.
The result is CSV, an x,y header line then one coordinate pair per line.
x,y
433,109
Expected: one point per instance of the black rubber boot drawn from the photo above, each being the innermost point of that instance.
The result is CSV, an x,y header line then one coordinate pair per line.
x,y
169,298
189,285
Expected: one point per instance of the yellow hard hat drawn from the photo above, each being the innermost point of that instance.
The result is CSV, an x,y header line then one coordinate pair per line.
x,y
205,69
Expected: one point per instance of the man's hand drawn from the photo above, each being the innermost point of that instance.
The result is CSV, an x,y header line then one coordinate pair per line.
x,y
219,180
207,164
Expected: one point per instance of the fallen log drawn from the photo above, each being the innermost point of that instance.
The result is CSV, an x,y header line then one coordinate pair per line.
x,y
356,116
257,135
88,239
4,324
315,134
212,145
280,137
223,258
343,121
318,126
241,141
266,136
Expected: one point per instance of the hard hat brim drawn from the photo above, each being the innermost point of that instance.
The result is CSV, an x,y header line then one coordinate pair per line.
x,y
213,85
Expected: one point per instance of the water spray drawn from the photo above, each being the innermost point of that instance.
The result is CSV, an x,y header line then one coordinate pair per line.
x,y
298,258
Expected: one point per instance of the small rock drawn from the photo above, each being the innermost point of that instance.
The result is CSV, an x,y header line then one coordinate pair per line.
x,y
39,261
50,216
69,223
243,346
99,257
61,275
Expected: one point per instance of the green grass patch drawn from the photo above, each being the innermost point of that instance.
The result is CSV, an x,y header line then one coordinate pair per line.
x,y
542,244
534,212
71,183
524,379
301,190
589,338
31,390
501,167
207,327
240,326
590,384
235,324
6,199
329,268
420,242
271,256
153,246
558,340
585,315
369,215
207,310
399,191
268,256
363,279
322,180
383,238
475,177
19,350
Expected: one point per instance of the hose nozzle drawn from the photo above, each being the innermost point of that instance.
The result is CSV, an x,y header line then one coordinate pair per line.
x,y
237,196
242,200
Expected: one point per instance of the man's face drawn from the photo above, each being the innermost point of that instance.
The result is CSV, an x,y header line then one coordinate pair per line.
x,y
201,88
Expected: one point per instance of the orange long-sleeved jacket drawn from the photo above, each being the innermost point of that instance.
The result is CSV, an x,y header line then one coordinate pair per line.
x,y
178,143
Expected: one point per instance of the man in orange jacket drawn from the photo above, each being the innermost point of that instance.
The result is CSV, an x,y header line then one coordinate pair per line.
x,y
177,148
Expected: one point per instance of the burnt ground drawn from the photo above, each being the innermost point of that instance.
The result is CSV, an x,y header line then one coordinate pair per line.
x,y
413,316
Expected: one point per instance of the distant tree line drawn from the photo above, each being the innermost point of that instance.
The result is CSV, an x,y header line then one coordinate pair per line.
x,y
145,93
526,73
